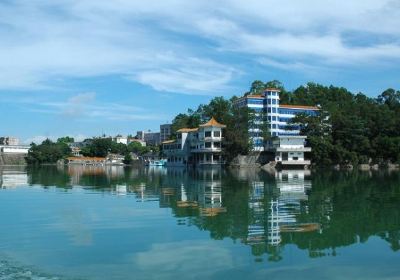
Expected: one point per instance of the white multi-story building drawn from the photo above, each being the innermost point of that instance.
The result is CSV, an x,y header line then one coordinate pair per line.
x,y
268,110
196,146
290,150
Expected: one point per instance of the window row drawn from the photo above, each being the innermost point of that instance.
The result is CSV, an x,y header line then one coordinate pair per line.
x,y
287,111
216,133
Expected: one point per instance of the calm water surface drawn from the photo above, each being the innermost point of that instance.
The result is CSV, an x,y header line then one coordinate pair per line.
x,y
116,223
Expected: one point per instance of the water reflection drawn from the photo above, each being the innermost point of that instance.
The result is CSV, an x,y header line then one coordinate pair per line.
x,y
317,213
12,177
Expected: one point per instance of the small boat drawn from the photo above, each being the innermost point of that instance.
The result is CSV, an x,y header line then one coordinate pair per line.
x,y
160,162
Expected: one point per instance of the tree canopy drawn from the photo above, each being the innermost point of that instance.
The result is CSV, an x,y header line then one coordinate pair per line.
x,y
351,128
47,152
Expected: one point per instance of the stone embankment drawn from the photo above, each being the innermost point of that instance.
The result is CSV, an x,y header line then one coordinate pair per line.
x,y
368,167
253,160
12,159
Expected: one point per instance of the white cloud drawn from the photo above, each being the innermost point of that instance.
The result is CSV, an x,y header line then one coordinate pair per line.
x,y
84,107
183,258
191,76
77,105
43,43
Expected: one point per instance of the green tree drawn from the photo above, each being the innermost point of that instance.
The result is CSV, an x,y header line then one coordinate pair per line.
x,y
66,140
98,147
47,152
128,159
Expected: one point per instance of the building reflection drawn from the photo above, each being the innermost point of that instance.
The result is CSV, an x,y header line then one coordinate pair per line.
x,y
13,177
203,194
278,212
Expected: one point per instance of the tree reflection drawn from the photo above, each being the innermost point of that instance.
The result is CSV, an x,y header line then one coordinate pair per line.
x,y
318,212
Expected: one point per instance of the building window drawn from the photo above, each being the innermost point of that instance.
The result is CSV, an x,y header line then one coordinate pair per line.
x,y
273,110
207,134
217,133
274,118
208,144
273,101
217,144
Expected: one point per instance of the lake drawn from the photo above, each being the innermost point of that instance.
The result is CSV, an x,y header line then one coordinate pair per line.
x,y
77,222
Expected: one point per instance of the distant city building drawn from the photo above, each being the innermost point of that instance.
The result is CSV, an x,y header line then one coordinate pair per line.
x,y
141,142
10,145
268,110
120,140
14,149
196,146
140,135
76,147
151,138
9,141
165,132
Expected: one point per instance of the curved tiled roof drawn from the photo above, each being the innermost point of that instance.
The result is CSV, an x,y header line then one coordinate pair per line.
x,y
213,122
168,142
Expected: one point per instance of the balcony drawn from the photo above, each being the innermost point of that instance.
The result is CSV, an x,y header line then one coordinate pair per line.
x,y
293,149
206,150
295,162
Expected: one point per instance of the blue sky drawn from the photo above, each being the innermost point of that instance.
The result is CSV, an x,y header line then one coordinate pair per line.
x,y
87,67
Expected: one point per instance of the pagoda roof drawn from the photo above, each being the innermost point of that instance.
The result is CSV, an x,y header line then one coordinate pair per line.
x,y
168,142
186,130
213,122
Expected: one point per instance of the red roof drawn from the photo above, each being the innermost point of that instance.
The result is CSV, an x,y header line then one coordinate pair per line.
x,y
272,89
299,107
255,96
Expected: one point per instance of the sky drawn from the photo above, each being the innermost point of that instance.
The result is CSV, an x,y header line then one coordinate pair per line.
x,y
89,67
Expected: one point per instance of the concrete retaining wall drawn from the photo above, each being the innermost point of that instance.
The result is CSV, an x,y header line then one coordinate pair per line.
x,y
12,159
